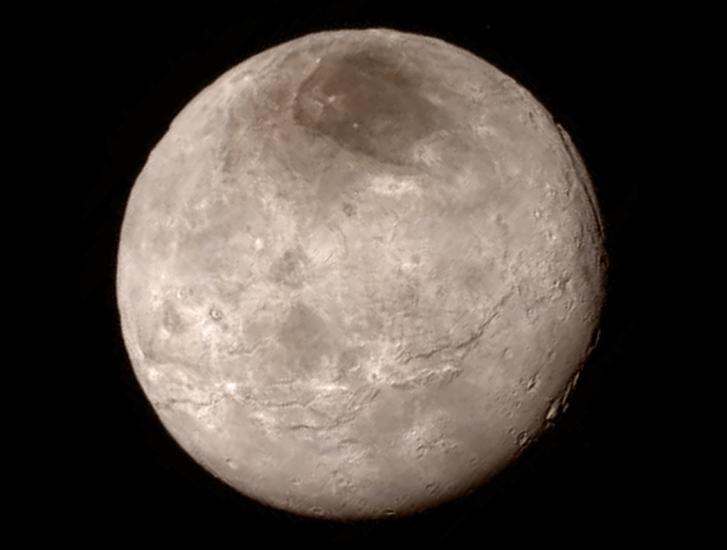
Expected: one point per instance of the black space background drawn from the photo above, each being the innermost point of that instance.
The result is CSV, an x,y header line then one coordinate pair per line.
x,y
590,69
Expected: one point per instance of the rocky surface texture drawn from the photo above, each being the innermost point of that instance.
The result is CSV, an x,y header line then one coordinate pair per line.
x,y
360,273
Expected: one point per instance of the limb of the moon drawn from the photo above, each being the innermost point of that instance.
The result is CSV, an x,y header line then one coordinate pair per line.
x,y
360,273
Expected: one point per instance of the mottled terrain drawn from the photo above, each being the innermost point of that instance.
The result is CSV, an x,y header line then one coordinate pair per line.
x,y
360,272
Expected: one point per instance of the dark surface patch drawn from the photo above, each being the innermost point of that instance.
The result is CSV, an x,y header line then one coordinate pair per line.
x,y
368,104
304,336
171,319
289,268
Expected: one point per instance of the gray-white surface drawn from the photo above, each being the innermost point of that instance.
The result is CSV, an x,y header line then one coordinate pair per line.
x,y
360,273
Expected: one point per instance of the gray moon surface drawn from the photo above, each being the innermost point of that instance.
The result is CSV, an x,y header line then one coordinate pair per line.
x,y
360,273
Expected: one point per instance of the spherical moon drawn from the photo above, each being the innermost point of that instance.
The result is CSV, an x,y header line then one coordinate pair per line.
x,y
360,273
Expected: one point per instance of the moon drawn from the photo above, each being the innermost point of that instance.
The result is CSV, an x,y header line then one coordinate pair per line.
x,y
360,273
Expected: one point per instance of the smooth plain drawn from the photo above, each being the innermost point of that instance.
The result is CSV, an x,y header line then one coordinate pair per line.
x,y
360,274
